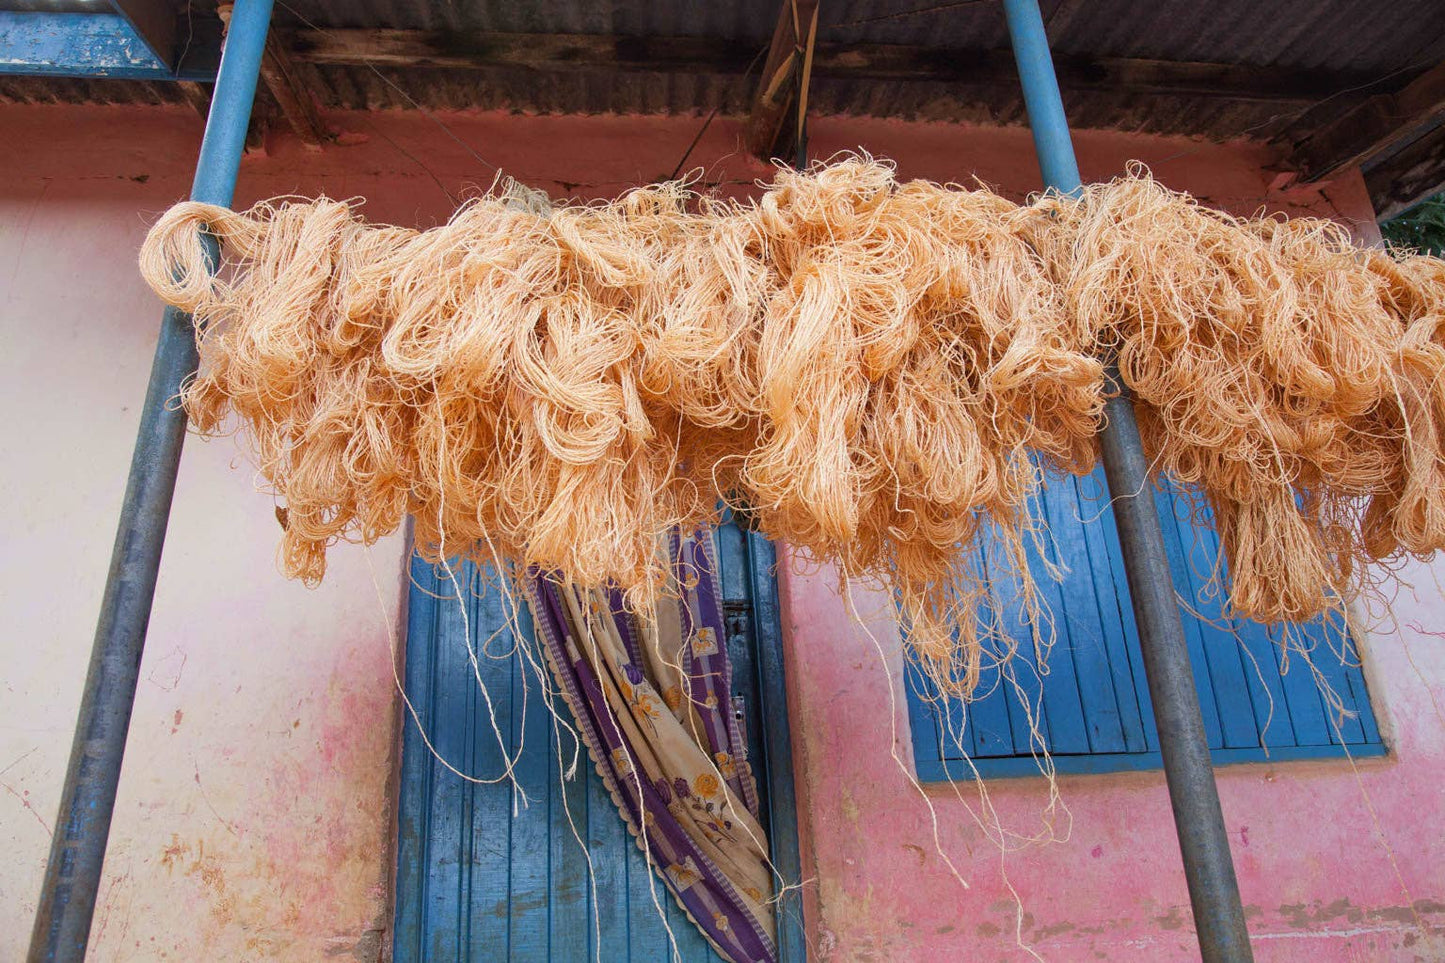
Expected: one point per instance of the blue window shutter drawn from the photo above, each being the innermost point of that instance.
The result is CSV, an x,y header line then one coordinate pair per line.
x,y
1092,706
1079,625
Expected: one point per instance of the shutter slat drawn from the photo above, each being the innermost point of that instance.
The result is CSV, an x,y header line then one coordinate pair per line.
x,y
569,910
1361,699
448,723
1092,501
1028,714
412,808
1120,584
1330,657
487,862
532,883
1302,698
609,842
1193,629
1267,696
1065,710
1197,554
989,729
954,734
924,718
1078,623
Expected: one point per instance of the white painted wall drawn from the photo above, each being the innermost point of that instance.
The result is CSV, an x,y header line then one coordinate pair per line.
x,y
252,822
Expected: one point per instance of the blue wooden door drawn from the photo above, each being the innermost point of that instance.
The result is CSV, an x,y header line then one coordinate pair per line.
x,y
483,877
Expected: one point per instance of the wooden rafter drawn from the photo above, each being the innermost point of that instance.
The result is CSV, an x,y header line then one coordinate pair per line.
x,y
197,95
1407,177
279,74
1371,130
962,69
791,52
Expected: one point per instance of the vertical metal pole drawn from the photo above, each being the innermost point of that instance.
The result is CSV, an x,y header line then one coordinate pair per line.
x,y
77,851
1198,819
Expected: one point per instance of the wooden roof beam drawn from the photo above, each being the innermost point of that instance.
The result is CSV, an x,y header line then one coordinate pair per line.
x,y
278,73
561,53
789,52
1372,130
197,95
1407,177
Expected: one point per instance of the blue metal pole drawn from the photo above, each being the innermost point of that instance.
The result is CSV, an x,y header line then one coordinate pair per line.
x,y
1193,795
77,851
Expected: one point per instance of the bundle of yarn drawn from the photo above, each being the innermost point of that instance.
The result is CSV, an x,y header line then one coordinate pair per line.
x,y
883,373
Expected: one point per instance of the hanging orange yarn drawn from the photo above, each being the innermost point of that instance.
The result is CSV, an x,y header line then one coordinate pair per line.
x,y
878,370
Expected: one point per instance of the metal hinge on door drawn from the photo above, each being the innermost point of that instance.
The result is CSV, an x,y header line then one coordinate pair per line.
x,y
737,619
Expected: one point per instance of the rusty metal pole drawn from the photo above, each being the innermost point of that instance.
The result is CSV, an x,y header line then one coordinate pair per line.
x,y
1193,795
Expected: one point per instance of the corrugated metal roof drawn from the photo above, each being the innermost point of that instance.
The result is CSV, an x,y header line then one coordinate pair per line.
x,y
71,90
1351,38
1346,35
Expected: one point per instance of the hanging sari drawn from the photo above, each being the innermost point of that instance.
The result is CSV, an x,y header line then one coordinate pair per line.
x,y
652,701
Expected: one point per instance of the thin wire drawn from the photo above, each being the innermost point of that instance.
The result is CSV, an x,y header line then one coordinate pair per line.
x,y
696,137
415,160
398,89
747,71
190,35
1290,118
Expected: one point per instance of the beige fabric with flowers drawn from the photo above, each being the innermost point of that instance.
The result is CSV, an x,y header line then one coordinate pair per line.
x,y
668,743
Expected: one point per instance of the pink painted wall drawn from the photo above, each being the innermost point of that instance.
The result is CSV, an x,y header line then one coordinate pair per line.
x,y
1322,877
254,818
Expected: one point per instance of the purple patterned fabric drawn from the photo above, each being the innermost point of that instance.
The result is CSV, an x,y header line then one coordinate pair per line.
x,y
680,778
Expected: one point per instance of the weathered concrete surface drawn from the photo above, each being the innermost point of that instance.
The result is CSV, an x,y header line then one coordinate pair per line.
x,y
254,820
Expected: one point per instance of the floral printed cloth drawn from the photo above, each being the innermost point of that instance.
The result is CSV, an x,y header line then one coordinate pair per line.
x,y
652,702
